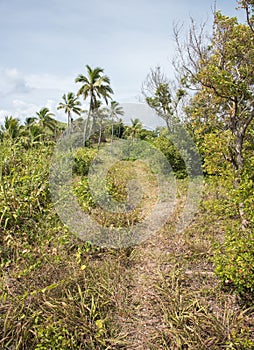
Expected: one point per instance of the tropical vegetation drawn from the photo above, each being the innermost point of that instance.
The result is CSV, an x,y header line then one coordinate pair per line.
x,y
190,289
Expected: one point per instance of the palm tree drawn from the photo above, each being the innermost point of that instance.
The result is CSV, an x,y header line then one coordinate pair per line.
x,y
10,128
29,121
114,111
95,86
135,127
30,132
45,120
70,104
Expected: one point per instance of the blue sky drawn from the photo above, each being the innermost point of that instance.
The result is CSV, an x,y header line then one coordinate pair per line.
x,y
44,45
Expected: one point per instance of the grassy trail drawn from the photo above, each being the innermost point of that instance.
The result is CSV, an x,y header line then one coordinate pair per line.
x,y
174,300
58,292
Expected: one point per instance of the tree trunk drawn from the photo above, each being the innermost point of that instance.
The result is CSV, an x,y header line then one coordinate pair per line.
x,y
239,152
112,130
87,120
99,139
85,128
68,123
239,162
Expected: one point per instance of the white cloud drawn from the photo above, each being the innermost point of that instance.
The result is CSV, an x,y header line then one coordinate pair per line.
x,y
20,110
52,106
49,81
12,82
23,95
24,109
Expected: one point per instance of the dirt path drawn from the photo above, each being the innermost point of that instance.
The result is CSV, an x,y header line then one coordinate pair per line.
x,y
142,322
170,297
169,279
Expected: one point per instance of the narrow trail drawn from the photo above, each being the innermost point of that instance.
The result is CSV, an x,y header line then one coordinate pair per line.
x,y
153,268
142,321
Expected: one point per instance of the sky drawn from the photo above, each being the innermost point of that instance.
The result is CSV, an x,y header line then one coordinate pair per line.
x,y
45,45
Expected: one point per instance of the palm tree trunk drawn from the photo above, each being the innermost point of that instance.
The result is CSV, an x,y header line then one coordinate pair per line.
x,y
92,125
87,121
112,130
99,139
92,109
85,128
68,122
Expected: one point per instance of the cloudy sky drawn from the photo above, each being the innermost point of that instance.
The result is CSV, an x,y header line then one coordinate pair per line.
x,y
44,45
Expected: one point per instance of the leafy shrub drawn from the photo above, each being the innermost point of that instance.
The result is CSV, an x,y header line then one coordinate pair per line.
x,y
235,261
82,160
24,194
173,156
235,258
82,191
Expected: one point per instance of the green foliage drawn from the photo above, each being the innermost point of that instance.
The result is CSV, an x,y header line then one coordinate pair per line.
x,y
10,128
163,96
162,100
82,191
164,144
46,120
134,130
96,85
147,135
115,188
235,260
221,118
58,292
83,158
223,74
52,295
70,104
24,195
216,151
242,341
118,129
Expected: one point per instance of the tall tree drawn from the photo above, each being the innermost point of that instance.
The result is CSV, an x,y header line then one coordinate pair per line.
x,y
95,86
223,74
70,104
222,71
115,110
101,121
163,96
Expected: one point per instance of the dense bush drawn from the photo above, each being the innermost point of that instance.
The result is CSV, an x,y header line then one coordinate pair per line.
x,y
177,163
82,160
52,295
235,257
24,192
235,260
